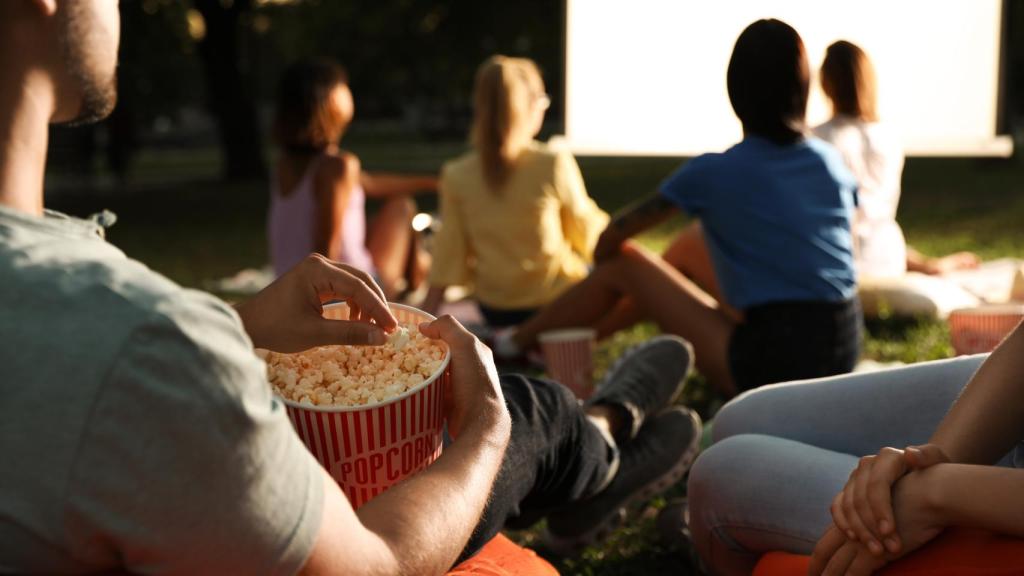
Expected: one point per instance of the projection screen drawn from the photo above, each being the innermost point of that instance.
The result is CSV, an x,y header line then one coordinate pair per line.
x,y
648,76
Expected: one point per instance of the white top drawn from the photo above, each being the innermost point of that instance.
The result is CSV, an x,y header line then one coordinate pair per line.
x,y
875,157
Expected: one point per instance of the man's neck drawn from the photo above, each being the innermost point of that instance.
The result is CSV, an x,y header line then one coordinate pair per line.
x,y
24,124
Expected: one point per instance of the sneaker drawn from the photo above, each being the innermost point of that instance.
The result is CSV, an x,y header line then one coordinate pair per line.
x,y
646,380
656,459
673,527
673,524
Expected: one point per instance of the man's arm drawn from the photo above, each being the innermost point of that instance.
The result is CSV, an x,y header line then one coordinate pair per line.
x,y
420,526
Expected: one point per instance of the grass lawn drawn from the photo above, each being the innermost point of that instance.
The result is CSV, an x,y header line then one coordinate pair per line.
x,y
182,223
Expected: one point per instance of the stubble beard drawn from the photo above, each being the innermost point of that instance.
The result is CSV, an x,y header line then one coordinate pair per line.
x,y
98,87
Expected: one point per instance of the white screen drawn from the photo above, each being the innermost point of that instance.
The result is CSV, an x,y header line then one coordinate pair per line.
x,y
648,76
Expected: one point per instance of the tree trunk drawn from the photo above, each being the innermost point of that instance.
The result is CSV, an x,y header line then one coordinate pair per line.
x,y
229,99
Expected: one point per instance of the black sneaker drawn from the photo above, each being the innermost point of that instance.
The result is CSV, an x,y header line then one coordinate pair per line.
x,y
673,527
645,380
659,457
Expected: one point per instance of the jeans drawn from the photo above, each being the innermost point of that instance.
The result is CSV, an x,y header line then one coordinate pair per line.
x,y
781,453
555,457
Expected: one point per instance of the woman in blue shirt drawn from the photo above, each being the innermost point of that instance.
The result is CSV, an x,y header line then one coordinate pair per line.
x,y
775,210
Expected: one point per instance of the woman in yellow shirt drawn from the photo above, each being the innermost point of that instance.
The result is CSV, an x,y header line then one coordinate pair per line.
x,y
517,223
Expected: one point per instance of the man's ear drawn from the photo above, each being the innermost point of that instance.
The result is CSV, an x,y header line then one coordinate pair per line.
x,y
48,7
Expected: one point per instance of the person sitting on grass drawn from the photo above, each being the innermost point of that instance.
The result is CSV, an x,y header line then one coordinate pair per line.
x,y
776,211
896,456
318,191
516,221
875,157
138,430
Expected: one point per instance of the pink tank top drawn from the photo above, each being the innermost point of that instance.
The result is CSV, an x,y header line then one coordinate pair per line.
x,y
291,225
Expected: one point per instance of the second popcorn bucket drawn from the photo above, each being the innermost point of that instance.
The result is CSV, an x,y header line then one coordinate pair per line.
x,y
367,449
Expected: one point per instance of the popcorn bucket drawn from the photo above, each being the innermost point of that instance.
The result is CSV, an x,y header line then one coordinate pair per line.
x,y
976,330
367,449
569,355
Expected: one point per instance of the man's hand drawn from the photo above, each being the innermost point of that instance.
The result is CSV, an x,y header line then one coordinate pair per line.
x,y
475,398
917,522
287,316
863,511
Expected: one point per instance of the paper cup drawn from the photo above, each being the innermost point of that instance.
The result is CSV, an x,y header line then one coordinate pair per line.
x,y
569,355
368,449
976,330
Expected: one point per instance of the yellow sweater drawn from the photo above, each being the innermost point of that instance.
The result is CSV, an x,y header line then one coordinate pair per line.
x,y
522,246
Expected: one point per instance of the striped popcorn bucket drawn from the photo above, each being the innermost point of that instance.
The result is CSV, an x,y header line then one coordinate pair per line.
x,y
569,355
976,330
368,449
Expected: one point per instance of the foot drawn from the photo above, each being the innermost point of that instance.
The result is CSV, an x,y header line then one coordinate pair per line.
x,y
657,458
645,381
673,524
508,354
673,527
504,345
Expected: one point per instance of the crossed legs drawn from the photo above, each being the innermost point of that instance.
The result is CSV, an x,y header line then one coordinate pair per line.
x,y
656,290
783,452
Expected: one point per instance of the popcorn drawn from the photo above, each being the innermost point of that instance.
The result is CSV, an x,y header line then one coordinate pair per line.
x,y
355,375
399,338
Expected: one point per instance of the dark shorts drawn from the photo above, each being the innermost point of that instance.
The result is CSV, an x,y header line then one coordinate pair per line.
x,y
501,318
784,341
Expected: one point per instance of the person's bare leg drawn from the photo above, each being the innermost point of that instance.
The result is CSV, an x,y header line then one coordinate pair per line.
x,y
388,239
689,254
659,292
918,262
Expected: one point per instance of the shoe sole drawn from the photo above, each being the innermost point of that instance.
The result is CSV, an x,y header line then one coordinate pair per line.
x,y
570,547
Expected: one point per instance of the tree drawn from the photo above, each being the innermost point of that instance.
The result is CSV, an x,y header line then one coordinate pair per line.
x,y
230,99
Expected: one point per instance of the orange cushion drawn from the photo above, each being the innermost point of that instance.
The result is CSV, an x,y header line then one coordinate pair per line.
x,y
954,553
503,557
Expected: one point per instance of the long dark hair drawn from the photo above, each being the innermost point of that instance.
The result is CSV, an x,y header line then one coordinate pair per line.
x,y
848,79
304,120
768,80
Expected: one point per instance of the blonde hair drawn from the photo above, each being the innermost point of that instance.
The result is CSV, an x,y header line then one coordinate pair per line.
x,y
505,93
848,79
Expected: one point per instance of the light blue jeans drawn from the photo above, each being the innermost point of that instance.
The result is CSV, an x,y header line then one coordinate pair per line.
x,y
781,453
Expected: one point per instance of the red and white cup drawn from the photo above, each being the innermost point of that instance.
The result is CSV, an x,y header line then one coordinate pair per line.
x,y
981,329
569,355
367,449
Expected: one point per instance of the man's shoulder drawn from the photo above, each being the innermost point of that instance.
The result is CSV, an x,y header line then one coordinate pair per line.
x,y
86,294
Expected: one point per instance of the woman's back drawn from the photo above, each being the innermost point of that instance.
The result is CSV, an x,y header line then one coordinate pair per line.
x,y
875,158
292,220
523,244
776,218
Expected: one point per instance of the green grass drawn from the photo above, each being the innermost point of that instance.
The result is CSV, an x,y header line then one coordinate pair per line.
x,y
184,224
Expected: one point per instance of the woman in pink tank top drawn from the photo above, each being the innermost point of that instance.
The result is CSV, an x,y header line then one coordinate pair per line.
x,y
318,192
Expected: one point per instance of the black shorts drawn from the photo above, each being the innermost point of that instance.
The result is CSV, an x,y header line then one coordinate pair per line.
x,y
497,318
784,341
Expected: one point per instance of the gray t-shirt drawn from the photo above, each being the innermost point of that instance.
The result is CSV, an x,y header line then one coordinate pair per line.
x,y
137,429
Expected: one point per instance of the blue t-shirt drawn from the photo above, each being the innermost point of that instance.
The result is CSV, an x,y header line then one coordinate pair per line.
x,y
776,219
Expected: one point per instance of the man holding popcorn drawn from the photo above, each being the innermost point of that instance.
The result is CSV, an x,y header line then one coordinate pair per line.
x,y
137,428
